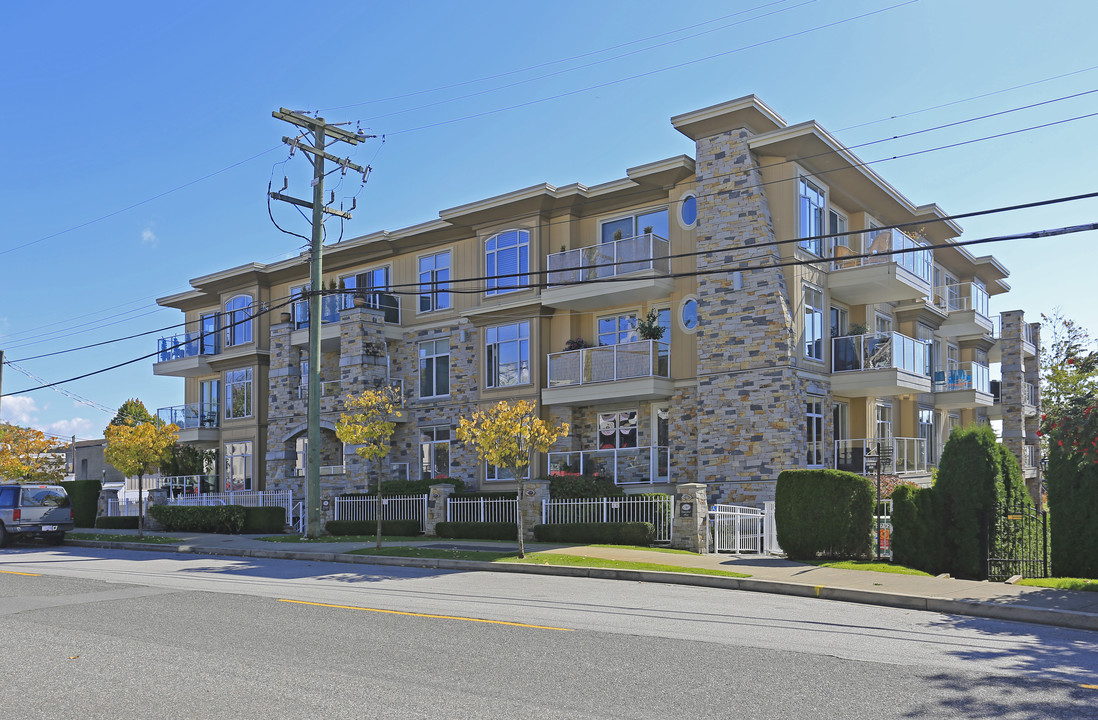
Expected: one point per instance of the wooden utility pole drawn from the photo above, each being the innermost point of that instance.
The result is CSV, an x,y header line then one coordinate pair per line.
x,y
317,154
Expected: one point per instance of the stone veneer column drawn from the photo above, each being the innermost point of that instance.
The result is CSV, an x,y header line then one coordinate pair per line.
x,y
283,379
1033,422
436,506
103,504
362,364
1010,388
530,502
749,416
690,518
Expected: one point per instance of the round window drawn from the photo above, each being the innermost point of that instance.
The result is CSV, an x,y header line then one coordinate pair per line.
x,y
690,314
688,211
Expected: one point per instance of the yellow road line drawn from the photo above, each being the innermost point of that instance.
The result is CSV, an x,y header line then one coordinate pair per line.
x,y
1089,687
425,615
12,572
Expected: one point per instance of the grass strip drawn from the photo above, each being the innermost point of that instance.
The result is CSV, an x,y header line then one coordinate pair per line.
x,y
870,565
1062,583
105,537
337,538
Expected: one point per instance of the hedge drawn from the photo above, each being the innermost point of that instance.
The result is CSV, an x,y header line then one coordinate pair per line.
x,y
224,519
616,533
124,522
582,486
477,530
402,528
269,519
968,487
1073,514
84,495
410,487
826,513
916,528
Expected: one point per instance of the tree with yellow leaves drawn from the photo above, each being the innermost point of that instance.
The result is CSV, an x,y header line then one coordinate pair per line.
x,y
368,423
504,436
25,455
137,450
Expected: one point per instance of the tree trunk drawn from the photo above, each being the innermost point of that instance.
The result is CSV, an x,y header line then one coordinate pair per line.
x,y
140,507
378,507
518,517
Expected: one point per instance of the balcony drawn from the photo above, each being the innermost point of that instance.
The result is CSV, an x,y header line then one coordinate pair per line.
x,y
1029,346
893,456
197,422
879,364
331,307
328,388
632,270
1030,399
966,308
894,268
1031,460
966,385
185,354
628,372
627,466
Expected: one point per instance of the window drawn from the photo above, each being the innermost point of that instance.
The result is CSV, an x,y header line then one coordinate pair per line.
x,y
434,452
373,287
238,393
926,432
884,323
498,474
840,321
507,354
209,333
840,420
688,210
661,418
689,314
209,398
238,465
884,421
434,277
814,438
434,368
83,468
618,329
837,223
507,260
617,430
398,471
813,323
238,320
663,319
622,228
811,217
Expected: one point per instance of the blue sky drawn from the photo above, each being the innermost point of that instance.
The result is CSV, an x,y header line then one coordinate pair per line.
x,y
140,140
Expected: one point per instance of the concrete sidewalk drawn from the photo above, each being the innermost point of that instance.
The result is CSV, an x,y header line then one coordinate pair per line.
x,y
1065,608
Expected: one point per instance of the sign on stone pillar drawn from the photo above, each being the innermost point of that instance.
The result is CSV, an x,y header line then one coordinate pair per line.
x,y
437,498
534,492
690,518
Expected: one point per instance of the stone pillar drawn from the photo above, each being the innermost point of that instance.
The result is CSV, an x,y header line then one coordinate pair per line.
x,y
106,495
436,506
156,496
283,405
1010,389
530,502
690,518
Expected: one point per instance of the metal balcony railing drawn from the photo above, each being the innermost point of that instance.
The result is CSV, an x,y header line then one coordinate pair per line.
x,y
328,388
962,296
626,466
876,351
963,376
610,259
885,246
184,345
894,456
191,416
645,358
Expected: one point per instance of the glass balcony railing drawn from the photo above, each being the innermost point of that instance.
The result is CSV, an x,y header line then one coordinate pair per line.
x,y
1029,394
328,388
883,246
962,296
626,466
876,351
184,345
190,416
963,376
610,259
894,456
1031,456
646,358
331,305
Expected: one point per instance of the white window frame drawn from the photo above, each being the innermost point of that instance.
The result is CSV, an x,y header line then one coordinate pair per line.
x,y
495,284
838,222
881,422
813,323
239,454
492,351
238,320
494,474
242,384
622,332
814,431
427,448
431,356
811,212
434,290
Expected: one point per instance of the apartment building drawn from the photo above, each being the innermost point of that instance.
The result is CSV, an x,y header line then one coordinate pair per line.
x,y
801,328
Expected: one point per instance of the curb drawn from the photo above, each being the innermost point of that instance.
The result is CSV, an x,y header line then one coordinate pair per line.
x,y
1073,619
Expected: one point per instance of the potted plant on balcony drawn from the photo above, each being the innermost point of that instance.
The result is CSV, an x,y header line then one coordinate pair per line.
x,y
649,328
577,343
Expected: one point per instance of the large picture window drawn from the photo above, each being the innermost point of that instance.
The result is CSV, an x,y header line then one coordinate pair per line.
x,y
506,261
811,217
238,465
238,393
238,320
434,368
434,277
652,221
434,452
507,354
618,329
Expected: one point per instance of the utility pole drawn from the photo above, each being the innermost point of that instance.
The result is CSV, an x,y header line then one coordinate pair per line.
x,y
1,375
317,154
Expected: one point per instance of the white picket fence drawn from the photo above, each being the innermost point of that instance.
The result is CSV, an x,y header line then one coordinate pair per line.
x,y
626,508
482,509
738,529
394,507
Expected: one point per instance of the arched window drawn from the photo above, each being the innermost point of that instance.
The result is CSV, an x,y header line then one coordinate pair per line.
x,y
238,320
507,260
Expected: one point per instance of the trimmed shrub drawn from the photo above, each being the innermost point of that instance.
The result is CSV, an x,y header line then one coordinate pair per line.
x,y
826,513
270,519
124,522
616,533
403,528
969,485
582,486
492,495
1072,483
223,519
84,495
477,530
916,528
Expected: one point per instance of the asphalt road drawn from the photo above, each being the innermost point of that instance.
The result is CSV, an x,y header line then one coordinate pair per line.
x,y
90,633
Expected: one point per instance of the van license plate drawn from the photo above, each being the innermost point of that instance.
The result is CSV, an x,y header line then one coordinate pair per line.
x,y
47,528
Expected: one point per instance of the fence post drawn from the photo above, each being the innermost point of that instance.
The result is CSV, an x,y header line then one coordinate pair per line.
x,y
102,508
437,500
530,504
689,517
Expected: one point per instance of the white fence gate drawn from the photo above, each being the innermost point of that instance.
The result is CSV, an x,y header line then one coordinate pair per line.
x,y
739,529
626,508
395,507
482,509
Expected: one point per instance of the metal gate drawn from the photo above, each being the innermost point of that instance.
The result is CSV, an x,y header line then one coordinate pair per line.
x,y
737,529
1017,542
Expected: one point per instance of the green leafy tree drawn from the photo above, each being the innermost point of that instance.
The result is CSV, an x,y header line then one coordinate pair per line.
x,y
1069,366
138,450
368,423
25,455
504,436
132,412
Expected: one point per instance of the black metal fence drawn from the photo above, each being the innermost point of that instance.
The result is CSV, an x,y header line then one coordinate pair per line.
x,y
1017,542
